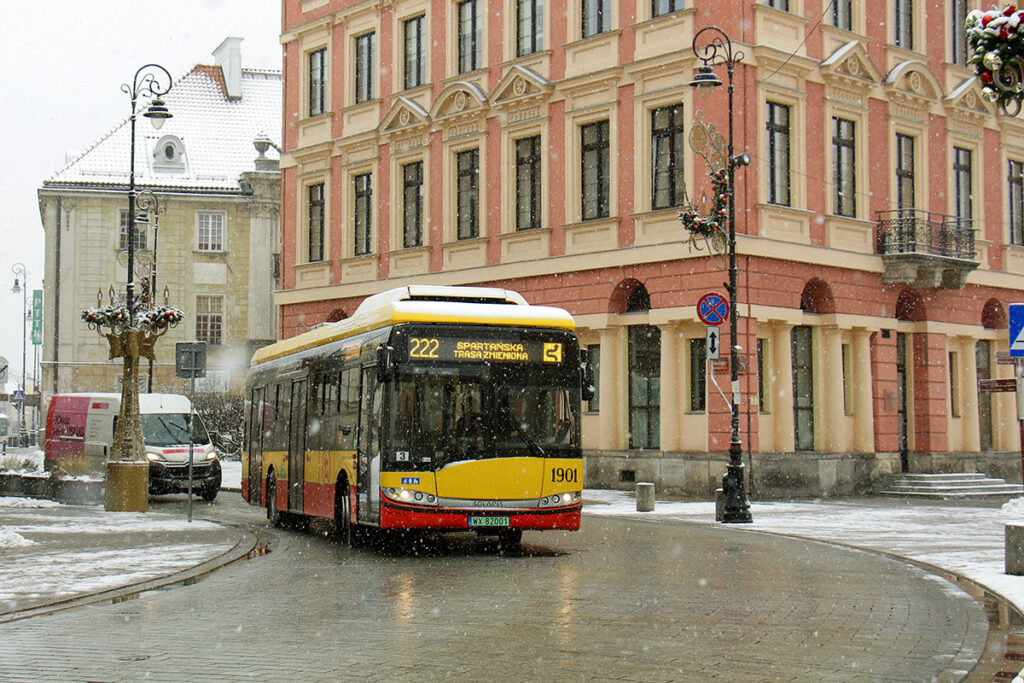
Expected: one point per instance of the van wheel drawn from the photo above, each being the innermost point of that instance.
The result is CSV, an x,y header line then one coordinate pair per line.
x,y
342,513
208,496
273,514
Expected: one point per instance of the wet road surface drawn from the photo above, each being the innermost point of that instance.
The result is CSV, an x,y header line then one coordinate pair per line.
x,y
620,600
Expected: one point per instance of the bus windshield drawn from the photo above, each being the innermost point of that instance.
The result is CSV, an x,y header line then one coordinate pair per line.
x,y
440,418
171,429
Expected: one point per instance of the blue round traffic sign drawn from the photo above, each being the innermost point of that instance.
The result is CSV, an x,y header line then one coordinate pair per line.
x,y
712,309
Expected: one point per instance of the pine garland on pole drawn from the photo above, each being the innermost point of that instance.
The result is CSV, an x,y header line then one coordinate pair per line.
x,y
708,226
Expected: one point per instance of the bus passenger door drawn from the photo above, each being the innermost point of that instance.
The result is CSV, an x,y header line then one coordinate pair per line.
x,y
368,475
297,446
256,410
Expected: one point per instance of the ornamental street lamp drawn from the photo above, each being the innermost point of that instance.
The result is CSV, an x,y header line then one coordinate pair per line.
x,y
717,48
133,324
19,271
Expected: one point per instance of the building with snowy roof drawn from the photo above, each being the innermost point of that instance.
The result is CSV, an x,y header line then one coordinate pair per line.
x,y
211,247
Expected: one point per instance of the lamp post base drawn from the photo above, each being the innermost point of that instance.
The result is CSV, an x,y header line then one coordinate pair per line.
x,y
737,509
127,486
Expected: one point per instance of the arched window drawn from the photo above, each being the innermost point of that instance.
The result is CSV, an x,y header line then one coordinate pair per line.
x,y
993,315
910,306
817,297
169,155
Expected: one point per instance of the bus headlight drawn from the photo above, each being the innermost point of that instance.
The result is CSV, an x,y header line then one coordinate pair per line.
x,y
559,499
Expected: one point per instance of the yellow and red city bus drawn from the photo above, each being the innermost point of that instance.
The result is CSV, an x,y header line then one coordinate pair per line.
x,y
443,408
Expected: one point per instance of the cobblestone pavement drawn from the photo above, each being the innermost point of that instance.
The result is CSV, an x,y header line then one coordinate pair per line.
x,y
620,600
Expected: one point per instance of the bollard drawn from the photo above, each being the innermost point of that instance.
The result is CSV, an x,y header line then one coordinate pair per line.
x,y
644,496
719,504
1013,550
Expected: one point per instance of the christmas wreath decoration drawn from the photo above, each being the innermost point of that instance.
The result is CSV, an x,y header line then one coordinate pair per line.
x,y
116,316
710,225
996,41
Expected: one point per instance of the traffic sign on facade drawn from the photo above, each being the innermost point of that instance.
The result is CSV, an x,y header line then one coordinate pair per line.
x,y
713,309
713,345
1016,328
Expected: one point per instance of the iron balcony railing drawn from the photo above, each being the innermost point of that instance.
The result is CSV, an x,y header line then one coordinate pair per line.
x,y
915,231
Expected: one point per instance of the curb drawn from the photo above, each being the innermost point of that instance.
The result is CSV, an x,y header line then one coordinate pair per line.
x,y
249,545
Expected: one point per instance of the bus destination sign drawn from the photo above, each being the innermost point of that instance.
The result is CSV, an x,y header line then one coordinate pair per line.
x,y
481,350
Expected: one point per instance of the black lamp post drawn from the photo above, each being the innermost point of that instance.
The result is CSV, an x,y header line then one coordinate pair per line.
x,y
717,48
22,287
146,201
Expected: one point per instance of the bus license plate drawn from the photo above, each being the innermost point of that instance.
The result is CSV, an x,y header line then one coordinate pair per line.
x,y
488,521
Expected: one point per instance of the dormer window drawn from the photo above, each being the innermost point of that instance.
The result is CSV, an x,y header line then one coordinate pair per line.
x,y
169,155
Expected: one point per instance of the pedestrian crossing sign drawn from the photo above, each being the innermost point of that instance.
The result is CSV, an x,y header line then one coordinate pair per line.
x,y
1016,325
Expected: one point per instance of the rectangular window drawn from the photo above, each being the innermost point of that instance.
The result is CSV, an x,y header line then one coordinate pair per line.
x,y
415,56
530,22
778,154
470,35
364,68
905,172
594,351
318,82
210,319
139,232
763,402
667,147
363,204
644,358
1015,190
904,24
844,167
595,184
412,205
782,5
842,14
316,222
528,183
954,386
660,7
958,50
963,184
468,200
211,230
596,17
698,375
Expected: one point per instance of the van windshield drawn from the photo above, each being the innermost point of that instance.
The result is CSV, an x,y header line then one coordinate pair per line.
x,y
171,429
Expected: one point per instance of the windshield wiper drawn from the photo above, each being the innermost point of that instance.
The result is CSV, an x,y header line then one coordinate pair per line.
x,y
523,435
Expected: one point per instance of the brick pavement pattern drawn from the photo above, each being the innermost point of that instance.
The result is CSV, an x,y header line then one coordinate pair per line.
x,y
620,600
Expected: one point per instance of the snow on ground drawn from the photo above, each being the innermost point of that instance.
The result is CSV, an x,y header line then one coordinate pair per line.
x,y
966,540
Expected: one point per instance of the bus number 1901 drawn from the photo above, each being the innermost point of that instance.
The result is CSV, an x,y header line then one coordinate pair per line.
x,y
563,475
423,347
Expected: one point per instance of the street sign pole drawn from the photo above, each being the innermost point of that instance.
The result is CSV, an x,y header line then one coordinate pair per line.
x,y
190,362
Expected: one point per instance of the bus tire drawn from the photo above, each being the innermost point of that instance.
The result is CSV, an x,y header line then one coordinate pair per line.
x,y
343,513
273,514
510,538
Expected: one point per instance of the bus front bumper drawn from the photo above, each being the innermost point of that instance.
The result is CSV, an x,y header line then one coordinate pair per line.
x,y
396,516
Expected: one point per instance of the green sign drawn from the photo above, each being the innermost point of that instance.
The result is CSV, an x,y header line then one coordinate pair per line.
x,y
37,316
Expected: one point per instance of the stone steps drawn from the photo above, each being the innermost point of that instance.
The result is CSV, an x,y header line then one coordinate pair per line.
x,y
959,485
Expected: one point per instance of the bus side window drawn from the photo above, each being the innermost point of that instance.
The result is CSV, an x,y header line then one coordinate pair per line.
x,y
348,407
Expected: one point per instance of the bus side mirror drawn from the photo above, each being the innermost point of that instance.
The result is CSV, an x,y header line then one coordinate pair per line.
x,y
385,363
587,390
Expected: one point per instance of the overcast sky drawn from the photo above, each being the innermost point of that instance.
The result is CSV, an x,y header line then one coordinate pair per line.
x,y
62,64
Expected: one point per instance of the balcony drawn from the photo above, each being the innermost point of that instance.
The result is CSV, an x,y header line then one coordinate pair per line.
x,y
926,249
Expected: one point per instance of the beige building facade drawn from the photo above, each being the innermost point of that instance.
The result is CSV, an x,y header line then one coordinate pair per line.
x,y
210,240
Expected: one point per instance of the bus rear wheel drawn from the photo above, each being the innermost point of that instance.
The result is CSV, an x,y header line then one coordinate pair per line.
x,y
343,513
273,514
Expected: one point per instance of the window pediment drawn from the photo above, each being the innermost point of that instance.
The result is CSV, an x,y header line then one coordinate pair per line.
x,y
966,103
520,86
850,66
460,100
405,117
914,81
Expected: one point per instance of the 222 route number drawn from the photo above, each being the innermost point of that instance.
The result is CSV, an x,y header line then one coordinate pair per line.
x,y
563,475
423,347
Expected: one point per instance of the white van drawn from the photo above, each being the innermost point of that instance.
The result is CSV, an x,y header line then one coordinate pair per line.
x,y
80,434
